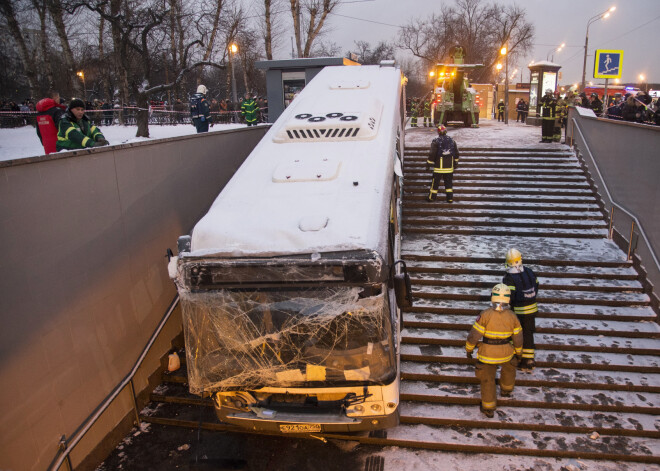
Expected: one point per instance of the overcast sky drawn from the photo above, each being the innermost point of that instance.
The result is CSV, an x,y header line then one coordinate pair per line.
x,y
634,27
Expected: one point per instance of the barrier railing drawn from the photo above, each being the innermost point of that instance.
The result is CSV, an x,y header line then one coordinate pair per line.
x,y
582,144
67,445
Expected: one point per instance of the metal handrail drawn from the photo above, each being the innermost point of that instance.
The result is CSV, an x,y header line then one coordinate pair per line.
x,y
67,448
609,196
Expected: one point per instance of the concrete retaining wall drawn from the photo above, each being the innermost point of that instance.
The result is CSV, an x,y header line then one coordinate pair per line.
x,y
628,158
84,279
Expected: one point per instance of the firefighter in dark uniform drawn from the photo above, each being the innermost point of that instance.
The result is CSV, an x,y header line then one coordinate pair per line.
x,y
561,111
444,159
498,337
427,113
524,288
596,105
500,111
548,105
414,110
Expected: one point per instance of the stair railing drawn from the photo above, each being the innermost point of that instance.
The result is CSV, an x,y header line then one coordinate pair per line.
x,y
635,220
67,446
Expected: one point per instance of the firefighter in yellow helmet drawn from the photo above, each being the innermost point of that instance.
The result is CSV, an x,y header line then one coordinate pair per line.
x,y
497,335
524,288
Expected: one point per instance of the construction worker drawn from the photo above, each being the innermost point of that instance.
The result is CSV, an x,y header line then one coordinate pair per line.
x,y
548,105
444,159
250,110
427,113
498,337
413,111
524,288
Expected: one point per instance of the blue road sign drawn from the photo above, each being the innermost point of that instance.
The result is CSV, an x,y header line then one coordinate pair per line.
x,y
608,63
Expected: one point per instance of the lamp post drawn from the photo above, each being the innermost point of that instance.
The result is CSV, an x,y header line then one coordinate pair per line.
x,y
81,74
599,16
553,52
641,82
503,51
233,49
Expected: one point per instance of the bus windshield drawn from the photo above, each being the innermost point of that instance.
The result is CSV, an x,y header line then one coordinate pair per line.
x,y
305,337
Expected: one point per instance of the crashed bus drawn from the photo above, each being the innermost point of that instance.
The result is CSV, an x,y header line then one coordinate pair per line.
x,y
289,284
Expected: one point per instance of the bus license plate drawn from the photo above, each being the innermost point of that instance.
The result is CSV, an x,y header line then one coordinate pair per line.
x,y
300,428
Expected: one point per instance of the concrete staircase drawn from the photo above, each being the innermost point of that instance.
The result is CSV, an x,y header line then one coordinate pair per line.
x,y
595,392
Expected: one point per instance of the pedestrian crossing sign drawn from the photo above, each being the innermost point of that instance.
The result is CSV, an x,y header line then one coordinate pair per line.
x,y
608,63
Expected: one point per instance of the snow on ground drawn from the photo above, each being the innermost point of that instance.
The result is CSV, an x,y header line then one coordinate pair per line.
x,y
17,143
490,133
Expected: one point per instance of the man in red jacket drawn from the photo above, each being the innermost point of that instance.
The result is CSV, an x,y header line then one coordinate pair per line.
x,y
49,112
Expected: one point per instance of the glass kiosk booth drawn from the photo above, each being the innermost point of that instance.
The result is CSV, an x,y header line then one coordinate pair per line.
x,y
285,79
543,75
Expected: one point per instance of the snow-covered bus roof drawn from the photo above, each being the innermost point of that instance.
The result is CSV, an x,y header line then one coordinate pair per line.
x,y
320,179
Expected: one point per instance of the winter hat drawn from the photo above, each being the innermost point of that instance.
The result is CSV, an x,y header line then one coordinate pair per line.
x,y
76,103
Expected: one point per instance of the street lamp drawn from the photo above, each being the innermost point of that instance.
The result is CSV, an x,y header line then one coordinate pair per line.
x,y
503,51
81,74
553,52
599,16
641,82
233,49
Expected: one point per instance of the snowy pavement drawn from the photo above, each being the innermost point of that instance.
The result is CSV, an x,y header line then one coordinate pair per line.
x,y
18,143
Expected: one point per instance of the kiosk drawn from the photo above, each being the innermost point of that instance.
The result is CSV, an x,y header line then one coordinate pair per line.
x,y
543,75
286,78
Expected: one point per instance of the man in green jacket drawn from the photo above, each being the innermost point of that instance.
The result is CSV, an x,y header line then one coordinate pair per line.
x,y
250,110
75,130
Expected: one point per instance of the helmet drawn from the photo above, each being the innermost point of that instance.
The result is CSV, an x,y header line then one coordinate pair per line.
x,y
513,258
500,294
594,94
202,89
547,90
442,129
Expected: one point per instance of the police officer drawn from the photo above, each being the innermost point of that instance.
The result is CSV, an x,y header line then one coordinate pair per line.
x,y
548,105
444,159
524,288
500,334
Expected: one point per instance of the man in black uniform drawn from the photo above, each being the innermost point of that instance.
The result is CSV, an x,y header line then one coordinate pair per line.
x,y
596,105
444,158
500,111
524,288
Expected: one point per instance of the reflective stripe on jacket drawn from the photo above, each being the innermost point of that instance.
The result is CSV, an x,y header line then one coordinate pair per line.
x,y
495,324
443,154
73,134
524,288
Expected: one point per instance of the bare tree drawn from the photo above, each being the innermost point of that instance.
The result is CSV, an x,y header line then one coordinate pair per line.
x,y
57,11
8,11
373,55
309,15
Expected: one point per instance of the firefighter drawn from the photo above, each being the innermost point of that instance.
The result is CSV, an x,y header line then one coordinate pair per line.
x,y
524,288
200,111
444,159
427,113
501,338
548,106
500,111
413,110
596,105
560,116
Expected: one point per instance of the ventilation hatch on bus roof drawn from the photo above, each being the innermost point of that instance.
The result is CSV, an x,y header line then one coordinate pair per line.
x,y
332,121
